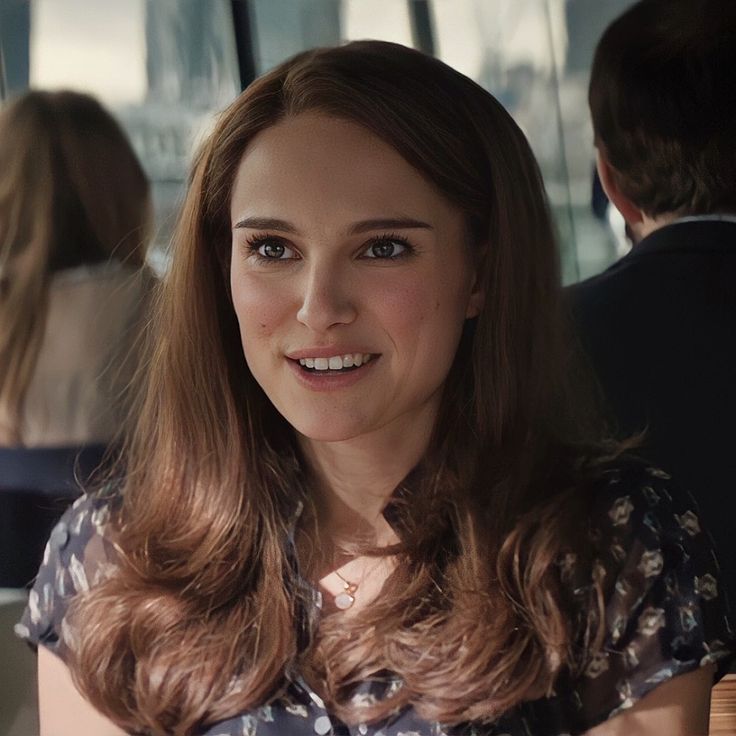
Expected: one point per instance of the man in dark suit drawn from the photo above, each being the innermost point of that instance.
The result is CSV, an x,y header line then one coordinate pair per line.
x,y
659,326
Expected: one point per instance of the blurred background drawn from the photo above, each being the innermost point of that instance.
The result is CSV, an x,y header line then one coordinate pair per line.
x,y
165,67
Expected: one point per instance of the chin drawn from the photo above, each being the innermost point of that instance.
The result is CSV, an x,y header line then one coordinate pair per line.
x,y
329,428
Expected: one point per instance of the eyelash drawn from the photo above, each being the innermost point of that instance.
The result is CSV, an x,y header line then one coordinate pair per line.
x,y
255,242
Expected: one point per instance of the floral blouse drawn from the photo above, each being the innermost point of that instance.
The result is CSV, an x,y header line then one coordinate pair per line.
x,y
665,616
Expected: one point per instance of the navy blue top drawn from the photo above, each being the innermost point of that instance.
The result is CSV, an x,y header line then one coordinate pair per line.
x,y
665,616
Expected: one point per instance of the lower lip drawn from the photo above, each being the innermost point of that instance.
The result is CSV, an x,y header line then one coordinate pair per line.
x,y
327,380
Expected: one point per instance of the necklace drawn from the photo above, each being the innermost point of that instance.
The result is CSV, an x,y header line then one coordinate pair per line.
x,y
346,598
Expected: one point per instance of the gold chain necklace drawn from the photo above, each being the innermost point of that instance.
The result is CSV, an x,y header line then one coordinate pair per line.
x,y
346,598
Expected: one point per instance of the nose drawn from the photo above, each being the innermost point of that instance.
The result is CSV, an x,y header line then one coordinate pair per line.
x,y
327,299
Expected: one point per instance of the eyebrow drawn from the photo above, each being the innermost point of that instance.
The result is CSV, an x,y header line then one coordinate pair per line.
x,y
364,226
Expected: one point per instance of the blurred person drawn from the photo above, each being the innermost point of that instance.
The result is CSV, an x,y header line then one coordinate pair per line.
x,y
659,325
74,220
358,493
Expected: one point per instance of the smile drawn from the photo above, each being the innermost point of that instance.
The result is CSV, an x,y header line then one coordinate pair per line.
x,y
336,362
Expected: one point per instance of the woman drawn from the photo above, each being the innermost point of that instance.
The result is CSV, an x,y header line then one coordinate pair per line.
x,y
355,492
74,214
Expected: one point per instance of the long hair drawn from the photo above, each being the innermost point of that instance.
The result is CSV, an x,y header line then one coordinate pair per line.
x,y
71,193
202,618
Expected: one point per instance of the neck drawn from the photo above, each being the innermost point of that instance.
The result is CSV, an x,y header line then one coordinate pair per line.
x,y
356,477
648,225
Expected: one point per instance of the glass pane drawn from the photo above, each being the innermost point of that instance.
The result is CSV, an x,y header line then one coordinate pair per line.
x,y
163,67
283,28
535,56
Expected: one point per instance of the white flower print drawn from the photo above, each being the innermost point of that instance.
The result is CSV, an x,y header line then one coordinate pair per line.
x,y
265,713
688,616
631,657
361,700
297,709
651,563
706,586
625,693
618,628
75,527
33,608
22,631
248,726
597,666
47,599
79,576
408,733
622,587
651,621
689,522
61,581
651,496
715,651
658,473
100,517
621,511
68,635
79,501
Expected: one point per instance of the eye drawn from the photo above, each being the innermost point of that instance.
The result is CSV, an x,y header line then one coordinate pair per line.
x,y
271,249
387,248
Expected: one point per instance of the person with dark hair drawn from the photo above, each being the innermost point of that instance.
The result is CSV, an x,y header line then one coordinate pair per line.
x,y
74,221
659,326
358,495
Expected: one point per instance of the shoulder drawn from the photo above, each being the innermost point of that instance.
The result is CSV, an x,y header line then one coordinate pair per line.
x,y
644,530
659,592
79,554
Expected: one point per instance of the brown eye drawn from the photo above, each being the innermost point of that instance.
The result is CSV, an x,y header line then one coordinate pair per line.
x,y
385,249
272,249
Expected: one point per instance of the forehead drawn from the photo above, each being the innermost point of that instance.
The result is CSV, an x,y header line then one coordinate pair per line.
x,y
327,165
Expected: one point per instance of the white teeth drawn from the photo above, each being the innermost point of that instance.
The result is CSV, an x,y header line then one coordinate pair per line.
x,y
336,362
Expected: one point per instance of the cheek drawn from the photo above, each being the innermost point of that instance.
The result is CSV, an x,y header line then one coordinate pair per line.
x,y
421,310
257,309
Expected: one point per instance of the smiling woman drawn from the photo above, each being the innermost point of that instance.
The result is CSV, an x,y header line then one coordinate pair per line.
x,y
387,276
359,495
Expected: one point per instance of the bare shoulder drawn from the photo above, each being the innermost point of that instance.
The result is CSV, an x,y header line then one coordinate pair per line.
x,y
62,709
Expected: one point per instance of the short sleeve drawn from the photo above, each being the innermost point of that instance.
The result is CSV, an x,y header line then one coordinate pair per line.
x,y
76,557
665,611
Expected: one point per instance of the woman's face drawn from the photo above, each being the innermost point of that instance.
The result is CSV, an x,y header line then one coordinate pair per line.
x,y
351,279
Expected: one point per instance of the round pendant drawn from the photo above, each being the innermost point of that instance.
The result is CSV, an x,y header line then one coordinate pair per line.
x,y
344,600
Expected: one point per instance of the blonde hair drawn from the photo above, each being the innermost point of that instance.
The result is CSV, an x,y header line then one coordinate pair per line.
x,y
72,192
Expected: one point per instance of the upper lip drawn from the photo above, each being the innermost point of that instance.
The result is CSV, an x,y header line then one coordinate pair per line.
x,y
327,352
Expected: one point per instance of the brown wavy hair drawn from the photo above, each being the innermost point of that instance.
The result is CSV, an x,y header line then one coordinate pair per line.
x,y
72,192
204,617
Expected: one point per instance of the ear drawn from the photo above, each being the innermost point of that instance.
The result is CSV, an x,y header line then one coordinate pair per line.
x,y
475,300
630,212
